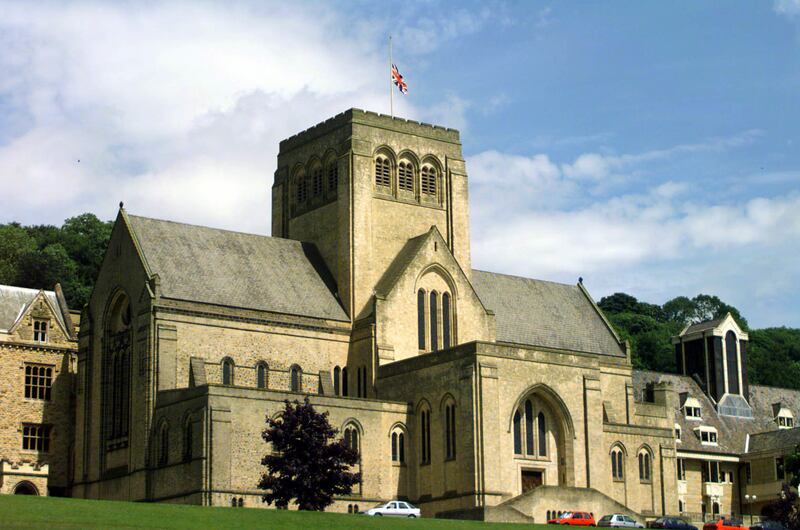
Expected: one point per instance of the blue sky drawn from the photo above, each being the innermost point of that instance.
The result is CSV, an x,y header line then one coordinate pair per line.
x,y
649,147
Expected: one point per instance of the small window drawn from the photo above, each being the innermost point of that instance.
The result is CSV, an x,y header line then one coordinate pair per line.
x,y
296,378
617,464
678,433
708,436
262,375
780,471
36,438
301,189
383,172
40,331
227,371
317,182
644,466
429,176
694,412
398,447
38,381
785,418
405,173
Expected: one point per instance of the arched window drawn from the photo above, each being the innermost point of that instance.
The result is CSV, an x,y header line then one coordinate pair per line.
x,y
434,305
398,446
405,173
542,434
116,372
333,176
337,374
617,467
163,453
296,378
450,431
517,433
345,388
262,375
383,172
425,436
446,320
644,466
227,371
317,181
188,439
351,438
421,318
428,184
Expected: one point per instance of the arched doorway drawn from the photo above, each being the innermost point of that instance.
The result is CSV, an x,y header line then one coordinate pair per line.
x,y
541,433
25,488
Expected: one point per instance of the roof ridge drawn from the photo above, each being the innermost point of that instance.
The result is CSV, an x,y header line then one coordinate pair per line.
x,y
525,278
24,289
193,225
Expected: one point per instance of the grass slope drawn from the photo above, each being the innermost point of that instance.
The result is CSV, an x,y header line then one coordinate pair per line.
x,y
58,513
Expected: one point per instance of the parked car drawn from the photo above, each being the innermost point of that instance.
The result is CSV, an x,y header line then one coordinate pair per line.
x,y
394,509
617,520
671,523
725,524
574,519
768,525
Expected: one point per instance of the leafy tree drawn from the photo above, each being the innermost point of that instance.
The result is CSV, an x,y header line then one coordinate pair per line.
x,y
306,463
785,510
774,357
791,465
680,310
618,303
14,242
44,268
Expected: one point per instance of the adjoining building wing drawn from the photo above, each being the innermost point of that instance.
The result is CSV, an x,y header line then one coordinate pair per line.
x,y
546,314
234,269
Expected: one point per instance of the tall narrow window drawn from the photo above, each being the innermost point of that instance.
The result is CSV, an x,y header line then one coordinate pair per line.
x,y
40,330
681,469
421,319
300,188
542,434
644,466
450,431
345,388
617,467
732,356
428,184
405,172
529,427
187,440
517,433
401,447
317,182
227,372
425,439
434,321
163,455
261,375
337,374
394,447
351,439
333,176
446,320
296,378
382,172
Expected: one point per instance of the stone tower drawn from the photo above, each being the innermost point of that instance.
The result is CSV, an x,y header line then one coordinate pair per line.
x,y
360,185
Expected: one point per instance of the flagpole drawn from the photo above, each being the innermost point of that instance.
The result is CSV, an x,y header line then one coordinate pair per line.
x,y
391,92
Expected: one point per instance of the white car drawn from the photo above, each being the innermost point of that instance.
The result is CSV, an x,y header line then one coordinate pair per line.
x,y
394,509
618,520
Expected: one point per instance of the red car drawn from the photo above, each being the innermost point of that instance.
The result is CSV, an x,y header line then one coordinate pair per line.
x,y
725,524
577,519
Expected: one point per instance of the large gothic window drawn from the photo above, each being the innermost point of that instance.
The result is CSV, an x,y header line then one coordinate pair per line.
x,y
116,372
530,429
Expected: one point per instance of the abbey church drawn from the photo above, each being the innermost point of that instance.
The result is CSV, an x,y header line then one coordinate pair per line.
x,y
472,394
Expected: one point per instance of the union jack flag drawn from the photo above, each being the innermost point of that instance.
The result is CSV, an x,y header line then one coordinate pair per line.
x,y
398,80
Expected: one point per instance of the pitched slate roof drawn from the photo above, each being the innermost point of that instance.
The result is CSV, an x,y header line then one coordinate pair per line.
x,y
15,300
774,440
235,269
703,326
547,314
731,431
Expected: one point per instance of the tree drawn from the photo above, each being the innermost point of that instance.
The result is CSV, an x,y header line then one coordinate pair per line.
x,y
791,466
785,510
306,464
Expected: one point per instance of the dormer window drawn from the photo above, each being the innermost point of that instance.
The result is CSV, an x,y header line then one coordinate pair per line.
x,y
785,419
708,435
40,331
692,409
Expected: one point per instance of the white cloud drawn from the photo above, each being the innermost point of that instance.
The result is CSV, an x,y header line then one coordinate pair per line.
x,y
789,8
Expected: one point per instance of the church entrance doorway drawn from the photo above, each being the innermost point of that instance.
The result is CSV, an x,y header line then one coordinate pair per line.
x,y
531,479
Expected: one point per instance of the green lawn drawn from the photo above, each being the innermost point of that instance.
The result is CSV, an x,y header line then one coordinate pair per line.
x,y
55,513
